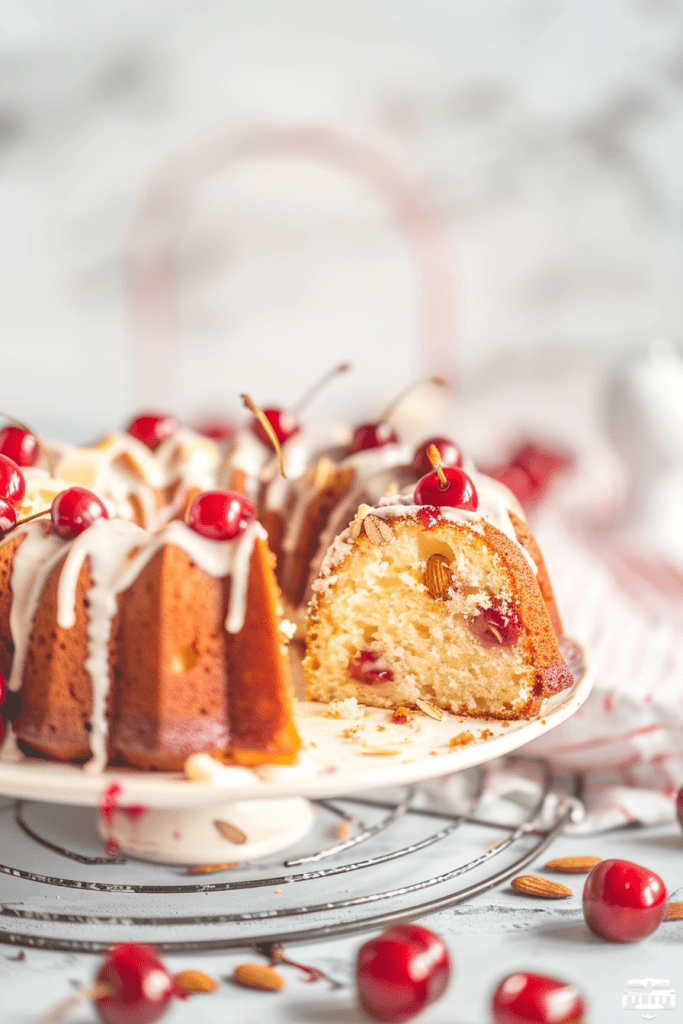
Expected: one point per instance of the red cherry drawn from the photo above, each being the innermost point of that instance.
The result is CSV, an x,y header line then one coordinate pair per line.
x,y
540,462
535,999
220,515
8,515
74,510
142,985
517,480
401,971
622,901
495,627
3,687
152,429
12,483
459,492
364,668
282,422
19,445
679,807
449,452
373,435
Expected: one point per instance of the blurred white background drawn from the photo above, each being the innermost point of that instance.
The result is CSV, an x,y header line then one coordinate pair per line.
x,y
548,133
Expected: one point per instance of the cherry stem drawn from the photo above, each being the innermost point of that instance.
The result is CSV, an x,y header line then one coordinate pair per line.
x,y
29,430
394,404
319,385
20,522
435,459
276,955
99,990
265,423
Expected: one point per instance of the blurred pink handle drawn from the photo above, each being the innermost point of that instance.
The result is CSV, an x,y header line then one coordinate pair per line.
x,y
151,270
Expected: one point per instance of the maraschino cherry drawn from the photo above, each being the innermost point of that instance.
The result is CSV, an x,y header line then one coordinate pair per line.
x,y
525,998
401,972
220,515
448,485
152,428
19,445
8,516
623,901
74,510
449,452
12,483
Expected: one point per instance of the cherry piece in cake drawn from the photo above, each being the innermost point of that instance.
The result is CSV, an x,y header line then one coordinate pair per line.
x,y
364,668
493,627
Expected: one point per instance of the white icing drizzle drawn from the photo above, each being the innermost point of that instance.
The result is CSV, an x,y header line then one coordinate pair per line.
x,y
117,551
249,455
300,452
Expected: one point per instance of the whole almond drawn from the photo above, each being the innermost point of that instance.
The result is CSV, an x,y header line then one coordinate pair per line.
x,y
674,912
195,981
572,865
230,832
258,976
532,885
377,531
438,577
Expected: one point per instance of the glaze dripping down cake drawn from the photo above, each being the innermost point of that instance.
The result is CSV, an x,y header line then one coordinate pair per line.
x,y
133,648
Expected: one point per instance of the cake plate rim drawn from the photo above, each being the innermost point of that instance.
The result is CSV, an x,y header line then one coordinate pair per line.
x,y
347,770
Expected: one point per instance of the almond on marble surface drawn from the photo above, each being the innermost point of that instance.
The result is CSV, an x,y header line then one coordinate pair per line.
x,y
195,981
573,865
532,885
258,976
208,869
377,531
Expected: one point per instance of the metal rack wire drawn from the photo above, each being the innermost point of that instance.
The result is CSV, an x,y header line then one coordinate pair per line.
x,y
105,900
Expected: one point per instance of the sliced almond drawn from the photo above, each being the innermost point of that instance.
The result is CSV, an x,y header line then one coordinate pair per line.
x,y
209,869
230,832
532,885
195,981
438,577
377,531
573,865
429,709
674,912
258,976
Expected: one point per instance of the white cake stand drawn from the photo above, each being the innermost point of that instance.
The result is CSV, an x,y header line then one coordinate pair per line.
x,y
234,814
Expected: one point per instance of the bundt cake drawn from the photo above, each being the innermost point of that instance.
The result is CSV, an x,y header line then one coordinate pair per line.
x,y
133,648
439,599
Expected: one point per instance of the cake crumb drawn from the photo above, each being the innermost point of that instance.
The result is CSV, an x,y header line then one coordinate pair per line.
x,y
461,739
485,734
346,708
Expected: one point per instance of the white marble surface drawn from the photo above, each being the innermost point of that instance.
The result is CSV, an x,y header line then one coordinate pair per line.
x,y
547,131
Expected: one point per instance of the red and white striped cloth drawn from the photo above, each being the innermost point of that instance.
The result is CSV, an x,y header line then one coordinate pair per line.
x,y
626,609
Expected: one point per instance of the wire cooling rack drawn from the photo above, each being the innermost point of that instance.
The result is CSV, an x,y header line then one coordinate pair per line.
x,y
59,891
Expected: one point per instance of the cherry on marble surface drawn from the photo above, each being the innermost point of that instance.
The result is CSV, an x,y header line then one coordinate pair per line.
x,y
141,986
623,901
74,510
401,972
525,998
220,515
19,445
152,428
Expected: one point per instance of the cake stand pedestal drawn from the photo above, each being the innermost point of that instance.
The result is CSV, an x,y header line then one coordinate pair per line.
x,y
236,830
